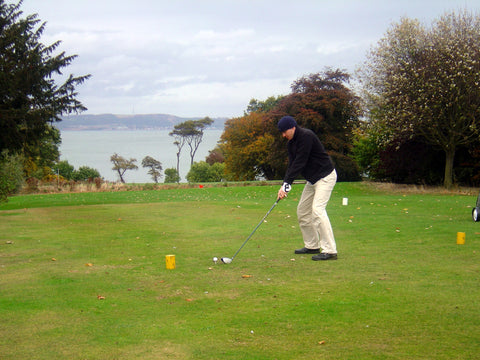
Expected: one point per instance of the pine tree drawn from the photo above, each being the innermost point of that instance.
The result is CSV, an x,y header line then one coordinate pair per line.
x,y
30,99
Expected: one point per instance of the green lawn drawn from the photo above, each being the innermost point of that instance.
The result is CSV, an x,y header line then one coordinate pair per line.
x,y
82,276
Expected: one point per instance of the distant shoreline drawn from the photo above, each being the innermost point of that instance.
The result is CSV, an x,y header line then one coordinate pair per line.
x,y
71,128
94,148
112,122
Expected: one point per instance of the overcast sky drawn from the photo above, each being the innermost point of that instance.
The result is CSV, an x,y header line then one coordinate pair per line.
x,y
195,58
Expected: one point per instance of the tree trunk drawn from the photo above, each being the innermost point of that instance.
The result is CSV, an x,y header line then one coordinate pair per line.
x,y
178,163
449,156
120,174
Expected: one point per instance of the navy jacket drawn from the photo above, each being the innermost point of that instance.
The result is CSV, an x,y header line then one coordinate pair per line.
x,y
307,157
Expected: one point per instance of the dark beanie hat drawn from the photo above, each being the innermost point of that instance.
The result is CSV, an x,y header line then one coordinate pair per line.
x,y
286,122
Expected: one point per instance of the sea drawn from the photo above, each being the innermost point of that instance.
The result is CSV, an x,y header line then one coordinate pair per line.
x,y
94,149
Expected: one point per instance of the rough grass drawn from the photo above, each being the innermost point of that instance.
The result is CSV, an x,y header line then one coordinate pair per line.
x,y
82,276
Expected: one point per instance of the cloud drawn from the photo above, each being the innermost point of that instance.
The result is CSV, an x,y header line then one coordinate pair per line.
x,y
198,58
232,35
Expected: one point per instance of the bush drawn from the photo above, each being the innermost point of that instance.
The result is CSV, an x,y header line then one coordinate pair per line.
x,y
85,173
65,169
11,175
98,182
52,178
347,169
32,184
203,172
171,176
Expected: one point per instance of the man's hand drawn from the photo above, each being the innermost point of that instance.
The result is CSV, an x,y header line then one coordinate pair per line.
x,y
284,190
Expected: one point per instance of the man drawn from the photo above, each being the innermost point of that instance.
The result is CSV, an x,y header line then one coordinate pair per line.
x,y
307,157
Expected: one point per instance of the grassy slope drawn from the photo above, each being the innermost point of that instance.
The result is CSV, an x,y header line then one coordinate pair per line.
x,y
401,288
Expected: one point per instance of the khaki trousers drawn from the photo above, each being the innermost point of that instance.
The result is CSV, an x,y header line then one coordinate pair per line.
x,y
312,215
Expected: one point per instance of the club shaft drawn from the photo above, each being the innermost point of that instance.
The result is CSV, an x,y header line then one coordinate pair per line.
x,y
256,227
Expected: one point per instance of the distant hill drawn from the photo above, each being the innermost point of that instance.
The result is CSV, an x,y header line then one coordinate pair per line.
x,y
127,122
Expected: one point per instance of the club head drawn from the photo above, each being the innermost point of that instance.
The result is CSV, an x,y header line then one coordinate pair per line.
x,y
226,260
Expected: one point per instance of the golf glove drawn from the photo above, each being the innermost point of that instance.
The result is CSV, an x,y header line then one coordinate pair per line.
x,y
286,187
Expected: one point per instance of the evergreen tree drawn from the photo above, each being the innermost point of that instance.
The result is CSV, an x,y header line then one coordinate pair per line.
x,y
30,99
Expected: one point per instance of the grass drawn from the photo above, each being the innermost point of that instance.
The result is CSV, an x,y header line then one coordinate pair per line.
x,y
82,276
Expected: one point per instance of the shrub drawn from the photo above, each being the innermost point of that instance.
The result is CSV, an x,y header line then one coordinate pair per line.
x,y
32,184
65,169
347,169
171,176
203,172
98,182
11,175
84,173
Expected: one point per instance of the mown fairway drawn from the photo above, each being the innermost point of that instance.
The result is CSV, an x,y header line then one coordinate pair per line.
x,y
82,276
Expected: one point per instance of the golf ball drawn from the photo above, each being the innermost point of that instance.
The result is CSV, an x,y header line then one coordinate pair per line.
x,y
215,259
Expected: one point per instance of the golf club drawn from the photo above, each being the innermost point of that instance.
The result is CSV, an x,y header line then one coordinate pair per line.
x,y
227,260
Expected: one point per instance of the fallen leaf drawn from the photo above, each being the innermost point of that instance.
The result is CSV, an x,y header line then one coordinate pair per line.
x,y
246,276
53,259
321,342
88,264
189,300
100,297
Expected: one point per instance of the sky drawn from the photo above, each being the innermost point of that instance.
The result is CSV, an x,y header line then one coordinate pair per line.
x,y
196,58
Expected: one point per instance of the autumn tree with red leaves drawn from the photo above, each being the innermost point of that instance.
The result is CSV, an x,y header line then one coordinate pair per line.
x,y
321,102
